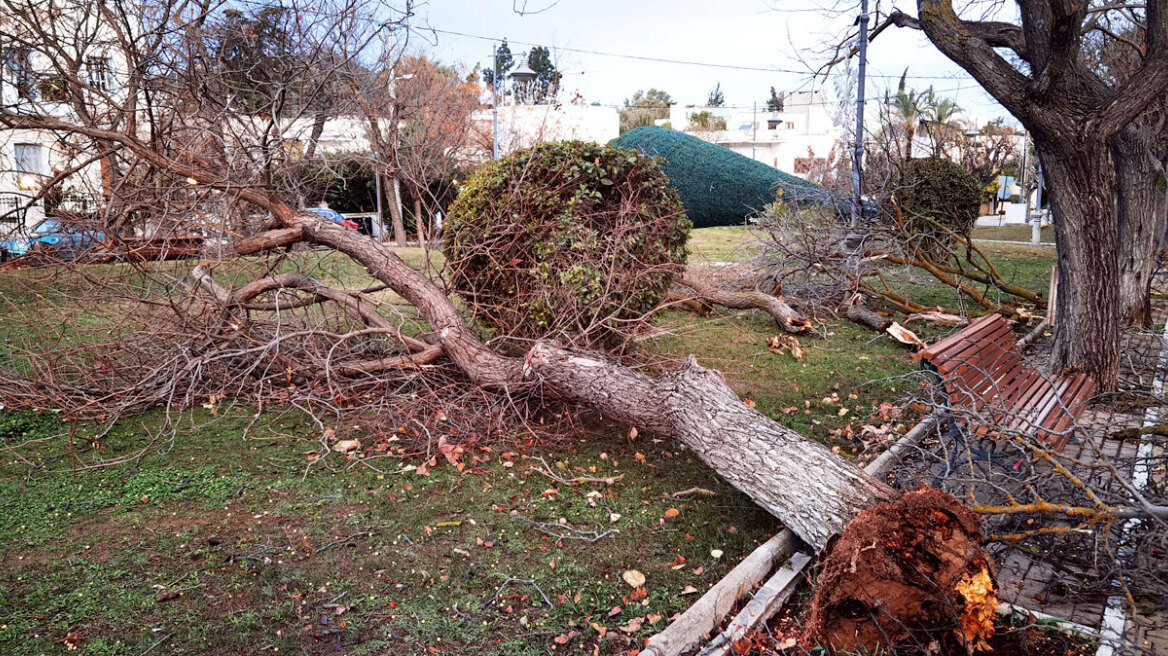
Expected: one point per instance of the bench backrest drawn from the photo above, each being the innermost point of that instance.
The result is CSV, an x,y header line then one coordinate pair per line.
x,y
983,370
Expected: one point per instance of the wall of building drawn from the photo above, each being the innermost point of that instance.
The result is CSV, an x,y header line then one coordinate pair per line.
x,y
805,129
524,126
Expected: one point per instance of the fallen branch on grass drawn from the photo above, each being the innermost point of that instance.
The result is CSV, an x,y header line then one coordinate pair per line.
x,y
574,482
591,537
748,299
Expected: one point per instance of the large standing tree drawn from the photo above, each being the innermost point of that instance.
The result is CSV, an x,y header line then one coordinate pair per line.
x,y
644,109
1036,68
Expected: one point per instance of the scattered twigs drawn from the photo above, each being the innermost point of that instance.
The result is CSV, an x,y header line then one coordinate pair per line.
x,y
508,580
574,482
591,537
694,491
337,543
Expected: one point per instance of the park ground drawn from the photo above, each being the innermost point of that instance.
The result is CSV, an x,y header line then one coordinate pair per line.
x,y
228,535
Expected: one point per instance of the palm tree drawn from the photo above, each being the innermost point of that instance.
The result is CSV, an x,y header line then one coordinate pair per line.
x,y
908,109
939,115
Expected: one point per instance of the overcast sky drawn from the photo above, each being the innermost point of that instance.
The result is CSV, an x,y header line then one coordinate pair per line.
x,y
783,37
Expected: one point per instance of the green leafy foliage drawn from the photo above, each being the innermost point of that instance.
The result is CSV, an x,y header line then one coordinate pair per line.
x,y
936,196
570,240
718,186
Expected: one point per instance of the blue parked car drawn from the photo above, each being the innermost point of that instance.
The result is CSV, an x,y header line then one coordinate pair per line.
x,y
334,216
56,236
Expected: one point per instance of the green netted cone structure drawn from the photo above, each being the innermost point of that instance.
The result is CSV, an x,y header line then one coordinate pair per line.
x,y
718,186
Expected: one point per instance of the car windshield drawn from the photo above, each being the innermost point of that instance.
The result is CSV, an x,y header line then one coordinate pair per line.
x,y
47,227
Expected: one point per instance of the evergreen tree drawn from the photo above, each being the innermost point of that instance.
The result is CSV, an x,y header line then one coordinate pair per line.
x,y
775,102
716,98
504,62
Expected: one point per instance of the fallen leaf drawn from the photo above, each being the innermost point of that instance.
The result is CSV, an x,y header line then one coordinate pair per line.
x,y
633,433
671,513
688,590
634,578
716,553
633,626
345,446
614,518
450,451
699,571
601,630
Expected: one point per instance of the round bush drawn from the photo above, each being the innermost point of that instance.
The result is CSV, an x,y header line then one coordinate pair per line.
x,y
936,194
569,240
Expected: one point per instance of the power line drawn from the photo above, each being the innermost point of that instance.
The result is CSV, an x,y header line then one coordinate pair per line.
x,y
665,60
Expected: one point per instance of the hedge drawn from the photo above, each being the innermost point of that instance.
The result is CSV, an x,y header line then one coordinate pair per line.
x,y
718,186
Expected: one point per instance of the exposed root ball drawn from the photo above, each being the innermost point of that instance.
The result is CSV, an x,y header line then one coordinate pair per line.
x,y
901,573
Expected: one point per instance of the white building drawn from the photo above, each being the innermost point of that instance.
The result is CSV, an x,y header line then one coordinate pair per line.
x,y
30,159
524,126
793,140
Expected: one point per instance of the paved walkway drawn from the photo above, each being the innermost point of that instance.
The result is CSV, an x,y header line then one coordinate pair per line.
x,y
1063,566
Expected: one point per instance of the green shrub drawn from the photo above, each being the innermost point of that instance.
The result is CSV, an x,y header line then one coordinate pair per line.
x,y
718,186
570,240
936,195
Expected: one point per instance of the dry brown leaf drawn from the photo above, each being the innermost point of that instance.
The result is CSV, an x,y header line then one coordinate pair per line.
x,y
634,578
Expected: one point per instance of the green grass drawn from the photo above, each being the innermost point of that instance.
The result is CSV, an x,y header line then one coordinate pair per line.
x,y
725,244
225,537
1012,233
255,540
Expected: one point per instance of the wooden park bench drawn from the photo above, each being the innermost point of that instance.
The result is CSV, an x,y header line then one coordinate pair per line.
x,y
982,376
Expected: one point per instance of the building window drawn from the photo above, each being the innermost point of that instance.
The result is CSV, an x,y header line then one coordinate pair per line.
x,y
790,125
30,158
97,73
18,72
773,123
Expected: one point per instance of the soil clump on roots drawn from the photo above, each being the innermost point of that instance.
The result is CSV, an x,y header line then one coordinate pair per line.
x,y
911,571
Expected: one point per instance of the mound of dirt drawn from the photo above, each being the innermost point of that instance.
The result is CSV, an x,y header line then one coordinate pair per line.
x,y
908,571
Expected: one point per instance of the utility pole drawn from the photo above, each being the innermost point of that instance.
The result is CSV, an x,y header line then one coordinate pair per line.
x,y
754,135
858,146
495,98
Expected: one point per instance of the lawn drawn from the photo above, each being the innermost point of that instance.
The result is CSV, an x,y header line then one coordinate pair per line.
x,y
1012,233
230,535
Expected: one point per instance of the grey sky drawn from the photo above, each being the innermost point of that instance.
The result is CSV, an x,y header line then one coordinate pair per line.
x,y
786,35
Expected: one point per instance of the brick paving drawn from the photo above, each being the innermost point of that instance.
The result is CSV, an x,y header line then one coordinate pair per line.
x,y
1072,569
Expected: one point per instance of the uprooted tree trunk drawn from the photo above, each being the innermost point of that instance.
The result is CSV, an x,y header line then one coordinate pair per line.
x,y
815,493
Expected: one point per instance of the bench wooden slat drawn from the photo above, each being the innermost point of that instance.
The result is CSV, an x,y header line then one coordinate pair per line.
x,y
982,372
968,332
1000,335
1063,418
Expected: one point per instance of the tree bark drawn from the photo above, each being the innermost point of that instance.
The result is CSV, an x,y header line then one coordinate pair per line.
x,y
1082,192
419,220
813,491
392,197
1135,152
785,318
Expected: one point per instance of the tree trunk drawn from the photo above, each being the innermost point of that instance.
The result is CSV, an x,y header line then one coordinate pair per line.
x,y
1137,176
813,491
314,136
1089,310
392,196
419,220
